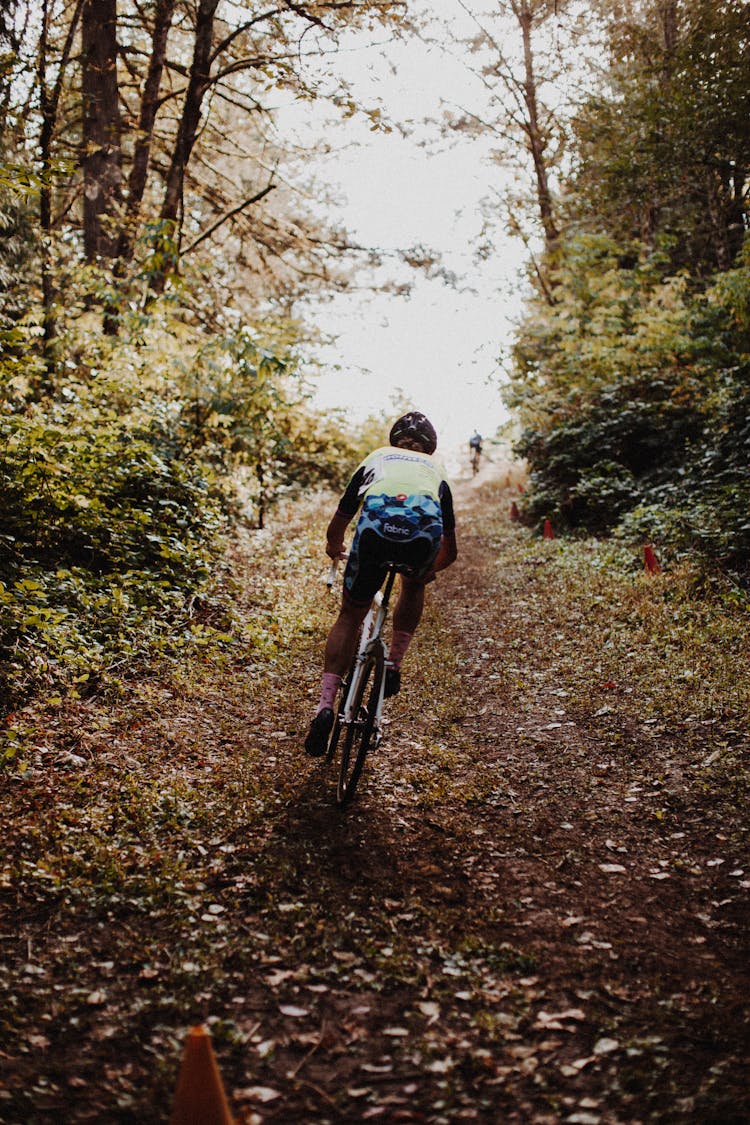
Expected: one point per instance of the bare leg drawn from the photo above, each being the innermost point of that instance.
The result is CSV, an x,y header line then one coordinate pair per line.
x,y
342,639
408,611
406,617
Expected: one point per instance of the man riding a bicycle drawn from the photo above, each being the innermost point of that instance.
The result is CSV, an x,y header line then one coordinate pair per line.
x,y
406,518
475,448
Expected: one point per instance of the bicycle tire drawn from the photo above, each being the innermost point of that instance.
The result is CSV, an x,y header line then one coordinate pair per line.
x,y
359,731
335,734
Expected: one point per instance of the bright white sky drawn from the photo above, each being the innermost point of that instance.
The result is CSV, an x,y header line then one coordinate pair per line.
x,y
440,346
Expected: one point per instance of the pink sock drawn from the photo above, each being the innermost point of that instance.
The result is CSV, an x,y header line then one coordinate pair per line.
x,y
399,644
328,689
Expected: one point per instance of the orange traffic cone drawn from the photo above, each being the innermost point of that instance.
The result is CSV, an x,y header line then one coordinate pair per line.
x,y
650,561
514,514
548,533
200,1098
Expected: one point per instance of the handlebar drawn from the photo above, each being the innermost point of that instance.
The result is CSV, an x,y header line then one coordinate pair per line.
x,y
331,576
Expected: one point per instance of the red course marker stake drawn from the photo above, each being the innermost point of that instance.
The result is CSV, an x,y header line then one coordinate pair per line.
x,y
548,533
200,1097
650,561
514,515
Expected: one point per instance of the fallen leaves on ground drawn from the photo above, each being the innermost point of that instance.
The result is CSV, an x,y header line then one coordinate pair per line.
x,y
535,911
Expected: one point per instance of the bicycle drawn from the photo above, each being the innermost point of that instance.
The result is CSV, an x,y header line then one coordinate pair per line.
x,y
360,707
476,453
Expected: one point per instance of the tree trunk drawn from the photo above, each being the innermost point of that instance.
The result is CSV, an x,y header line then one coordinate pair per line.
x,y
200,78
261,478
49,101
101,127
45,196
149,105
534,132
667,11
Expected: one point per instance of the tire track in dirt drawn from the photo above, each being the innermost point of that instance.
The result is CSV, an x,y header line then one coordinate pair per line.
x,y
513,847
577,868
497,930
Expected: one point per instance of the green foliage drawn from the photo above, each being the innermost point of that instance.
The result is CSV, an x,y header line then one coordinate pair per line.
x,y
105,536
662,151
104,496
631,366
633,392
245,408
118,483
705,507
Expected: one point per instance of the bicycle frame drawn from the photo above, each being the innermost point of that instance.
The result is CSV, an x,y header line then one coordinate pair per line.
x,y
371,635
358,720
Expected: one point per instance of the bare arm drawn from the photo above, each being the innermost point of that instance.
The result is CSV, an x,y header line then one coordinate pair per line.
x,y
335,535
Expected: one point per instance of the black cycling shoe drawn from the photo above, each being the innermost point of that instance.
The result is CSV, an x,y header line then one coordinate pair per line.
x,y
316,742
392,682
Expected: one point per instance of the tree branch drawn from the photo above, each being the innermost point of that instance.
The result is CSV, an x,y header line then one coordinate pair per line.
x,y
229,39
226,216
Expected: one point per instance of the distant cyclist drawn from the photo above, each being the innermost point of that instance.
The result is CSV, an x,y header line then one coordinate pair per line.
x,y
475,446
407,518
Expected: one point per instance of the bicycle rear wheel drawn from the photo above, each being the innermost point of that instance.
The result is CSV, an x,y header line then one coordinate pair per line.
x,y
360,730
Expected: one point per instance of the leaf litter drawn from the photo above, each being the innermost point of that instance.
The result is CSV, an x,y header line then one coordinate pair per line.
x,y
454,947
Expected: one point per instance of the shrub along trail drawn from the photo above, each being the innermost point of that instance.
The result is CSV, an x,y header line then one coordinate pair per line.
x,y
535,911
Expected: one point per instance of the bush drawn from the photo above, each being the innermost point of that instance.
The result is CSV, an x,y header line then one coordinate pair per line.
x,y
705,509
105,537
634,394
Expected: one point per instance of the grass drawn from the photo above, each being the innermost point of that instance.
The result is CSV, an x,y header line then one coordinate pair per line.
x,y
171,857
652,658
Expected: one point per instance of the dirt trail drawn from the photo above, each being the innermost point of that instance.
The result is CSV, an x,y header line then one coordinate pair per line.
x,y
519,920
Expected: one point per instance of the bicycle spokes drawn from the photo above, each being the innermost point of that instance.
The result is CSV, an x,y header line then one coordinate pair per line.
x,y
362,727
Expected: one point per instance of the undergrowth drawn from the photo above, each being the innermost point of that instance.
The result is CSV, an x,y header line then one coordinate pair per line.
x,y
173,857
648,656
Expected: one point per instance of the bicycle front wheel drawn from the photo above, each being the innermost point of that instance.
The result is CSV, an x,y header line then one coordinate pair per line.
x,y
359,731
338,722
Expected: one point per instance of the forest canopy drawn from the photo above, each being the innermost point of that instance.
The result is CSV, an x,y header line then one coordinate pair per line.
x,y
630,371
158,233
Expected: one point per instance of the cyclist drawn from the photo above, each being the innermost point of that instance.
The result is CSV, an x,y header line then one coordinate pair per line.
x,y
475,445
407,518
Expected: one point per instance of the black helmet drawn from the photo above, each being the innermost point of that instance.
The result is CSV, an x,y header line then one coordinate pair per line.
x,y
415,428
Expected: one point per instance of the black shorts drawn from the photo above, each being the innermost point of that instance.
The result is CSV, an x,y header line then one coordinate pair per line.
x,y
408,537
